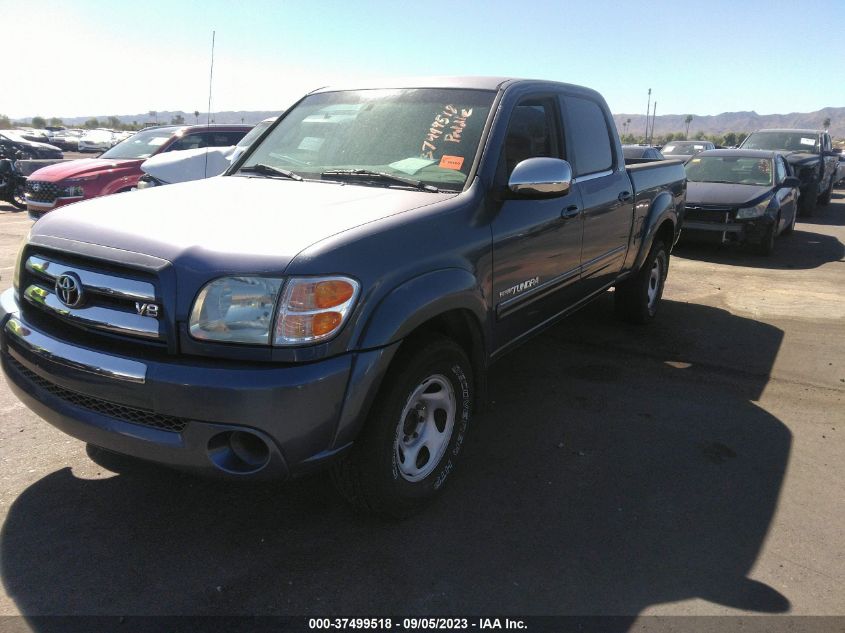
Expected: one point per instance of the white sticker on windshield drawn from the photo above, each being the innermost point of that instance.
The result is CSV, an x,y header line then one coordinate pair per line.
x,y
311,143
668,148
155,142
411,165
698,146
808,141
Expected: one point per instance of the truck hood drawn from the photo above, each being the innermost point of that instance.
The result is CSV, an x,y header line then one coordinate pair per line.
x,y
189,164
721,194
228,223
78,168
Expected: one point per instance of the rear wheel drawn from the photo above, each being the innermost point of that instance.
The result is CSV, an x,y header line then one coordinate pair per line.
x,y
637,298
412,439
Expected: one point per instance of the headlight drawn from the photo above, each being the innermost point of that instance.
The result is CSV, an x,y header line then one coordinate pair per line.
x,y
16,275
753,212
235,310
314,309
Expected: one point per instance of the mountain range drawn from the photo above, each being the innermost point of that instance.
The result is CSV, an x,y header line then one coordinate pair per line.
x,y
736,122
664,123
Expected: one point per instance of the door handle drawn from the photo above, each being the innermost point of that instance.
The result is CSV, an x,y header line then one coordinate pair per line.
x,y
572,211
624,196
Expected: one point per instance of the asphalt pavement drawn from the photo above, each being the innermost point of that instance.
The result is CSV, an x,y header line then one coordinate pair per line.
x,y
691,467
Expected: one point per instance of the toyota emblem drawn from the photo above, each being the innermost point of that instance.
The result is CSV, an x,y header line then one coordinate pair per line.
x,y
36,187
69,289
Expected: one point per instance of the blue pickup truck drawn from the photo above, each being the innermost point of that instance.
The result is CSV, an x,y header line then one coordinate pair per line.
x,y
336,298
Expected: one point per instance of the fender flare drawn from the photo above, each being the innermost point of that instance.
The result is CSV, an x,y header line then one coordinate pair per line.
x,y
418,300
662,209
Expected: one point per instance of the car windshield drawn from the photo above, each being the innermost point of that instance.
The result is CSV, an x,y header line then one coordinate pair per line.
x,y
429,135
12,136
685,149
790,141
254,133
141,145
737,170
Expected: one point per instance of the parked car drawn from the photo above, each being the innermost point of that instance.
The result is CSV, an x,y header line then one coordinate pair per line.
x,y
740,196
196,164
11,142
97,140
67,140
682,150
634,154
119,168
31,134
338,295
811,155
840,168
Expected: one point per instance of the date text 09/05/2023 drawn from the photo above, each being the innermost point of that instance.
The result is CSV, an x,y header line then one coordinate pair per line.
x,y
413,624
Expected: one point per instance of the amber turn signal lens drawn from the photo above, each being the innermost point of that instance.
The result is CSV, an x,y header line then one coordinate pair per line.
x,y
328,294
325,322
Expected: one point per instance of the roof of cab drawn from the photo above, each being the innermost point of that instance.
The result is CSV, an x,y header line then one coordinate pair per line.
x,y
469,82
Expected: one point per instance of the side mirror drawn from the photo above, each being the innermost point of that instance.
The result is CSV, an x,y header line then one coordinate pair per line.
x,y
541,178
791,181
832,152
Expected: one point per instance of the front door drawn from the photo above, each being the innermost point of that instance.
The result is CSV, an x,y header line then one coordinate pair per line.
x,y
536,247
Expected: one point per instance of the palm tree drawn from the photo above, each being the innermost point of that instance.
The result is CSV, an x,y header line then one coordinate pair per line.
x,y
687,120
826,123
197,116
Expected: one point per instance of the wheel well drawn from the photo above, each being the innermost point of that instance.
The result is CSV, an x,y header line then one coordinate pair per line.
x,y
666,233
463,327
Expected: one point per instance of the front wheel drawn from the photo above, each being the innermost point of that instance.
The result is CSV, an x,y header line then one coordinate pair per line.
x,y
807,204
825,197
637,298
411,441
767,243
17,198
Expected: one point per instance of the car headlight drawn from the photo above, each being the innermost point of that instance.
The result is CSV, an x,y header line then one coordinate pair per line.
x,y
756,211
16,274
235,310
314,309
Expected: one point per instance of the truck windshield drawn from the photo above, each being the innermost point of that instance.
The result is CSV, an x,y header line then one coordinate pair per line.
x,y
730,169
429,135
791,141
141,145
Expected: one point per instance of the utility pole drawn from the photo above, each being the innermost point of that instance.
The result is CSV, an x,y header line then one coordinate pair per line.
x,y
647,110
653,116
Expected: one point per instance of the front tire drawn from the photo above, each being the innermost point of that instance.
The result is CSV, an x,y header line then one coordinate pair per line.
x,y
807,204
824,199
767,244
17,198
414,434
637,298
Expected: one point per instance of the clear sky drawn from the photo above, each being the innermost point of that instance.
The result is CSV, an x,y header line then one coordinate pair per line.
x,y
102,57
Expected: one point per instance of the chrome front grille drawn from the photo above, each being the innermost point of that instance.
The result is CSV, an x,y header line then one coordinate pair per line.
x,y
40,191
102,301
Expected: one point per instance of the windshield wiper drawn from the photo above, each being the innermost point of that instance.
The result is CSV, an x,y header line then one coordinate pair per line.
x,y
269,170
366,174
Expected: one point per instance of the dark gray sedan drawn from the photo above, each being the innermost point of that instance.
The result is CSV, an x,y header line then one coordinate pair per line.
x,y
740,196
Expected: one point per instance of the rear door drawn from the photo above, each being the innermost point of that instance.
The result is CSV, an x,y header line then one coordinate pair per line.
x,y
604,187
536,243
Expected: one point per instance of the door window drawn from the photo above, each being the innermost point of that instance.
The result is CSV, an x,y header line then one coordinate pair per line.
x,y
532,132
587,136
190,141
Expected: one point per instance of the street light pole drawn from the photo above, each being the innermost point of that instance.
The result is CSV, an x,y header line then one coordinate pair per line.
x,y
647,110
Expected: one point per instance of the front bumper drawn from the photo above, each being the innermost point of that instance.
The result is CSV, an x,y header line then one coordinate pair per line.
x,y
752,230
37,209
192,413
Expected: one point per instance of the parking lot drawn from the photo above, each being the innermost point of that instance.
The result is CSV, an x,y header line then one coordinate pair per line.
x,y
691,467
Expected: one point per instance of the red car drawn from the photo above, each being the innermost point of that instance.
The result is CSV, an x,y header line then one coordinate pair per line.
x,y
119,168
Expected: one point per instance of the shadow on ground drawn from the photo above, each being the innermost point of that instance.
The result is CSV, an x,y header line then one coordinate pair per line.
x,y
617,468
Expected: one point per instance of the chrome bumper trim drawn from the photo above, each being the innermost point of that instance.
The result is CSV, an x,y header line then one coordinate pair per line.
x,y
97,317
75,357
